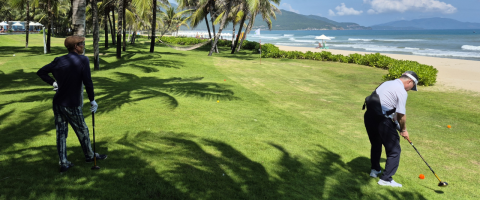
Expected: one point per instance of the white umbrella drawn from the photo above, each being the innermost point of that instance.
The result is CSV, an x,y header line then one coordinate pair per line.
x,y
38,24
322,37
17,24
3,24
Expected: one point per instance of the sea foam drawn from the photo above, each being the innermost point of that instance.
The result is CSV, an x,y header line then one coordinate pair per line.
x,y
470,47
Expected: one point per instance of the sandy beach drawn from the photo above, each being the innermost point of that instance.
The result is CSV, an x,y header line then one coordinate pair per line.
x,y
452,73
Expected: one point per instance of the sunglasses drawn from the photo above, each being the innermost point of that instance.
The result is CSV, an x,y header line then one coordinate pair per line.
x,y
81,43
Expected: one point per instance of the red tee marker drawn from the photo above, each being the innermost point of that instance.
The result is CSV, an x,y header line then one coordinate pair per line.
x,y
224,79
421,176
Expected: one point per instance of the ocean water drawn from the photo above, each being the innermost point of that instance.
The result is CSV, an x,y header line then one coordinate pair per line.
x,y
458,44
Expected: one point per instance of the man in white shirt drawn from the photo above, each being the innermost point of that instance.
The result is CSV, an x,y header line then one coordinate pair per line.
x,y
386,108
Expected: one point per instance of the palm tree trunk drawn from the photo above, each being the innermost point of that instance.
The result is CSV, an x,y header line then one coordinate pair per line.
x,y
154,26
248,29
96,36
216,48
49,26
106,27
119,29
212,18
133,36
114,40
124,26
208,28
239,32
78,17
222,25
233,36
28,24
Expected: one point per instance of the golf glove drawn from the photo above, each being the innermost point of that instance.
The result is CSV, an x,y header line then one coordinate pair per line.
x,y
94,106
55,86
398,126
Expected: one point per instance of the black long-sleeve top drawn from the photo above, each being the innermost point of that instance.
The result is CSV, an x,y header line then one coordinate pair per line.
x,y
70,71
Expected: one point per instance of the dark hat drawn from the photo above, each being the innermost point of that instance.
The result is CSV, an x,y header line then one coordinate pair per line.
x,y
412,75
71,41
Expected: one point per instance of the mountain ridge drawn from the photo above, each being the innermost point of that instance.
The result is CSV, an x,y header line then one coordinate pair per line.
x,y
287,20
426,23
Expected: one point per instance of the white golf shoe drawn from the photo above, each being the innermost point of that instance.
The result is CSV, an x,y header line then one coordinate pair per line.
x,y
374,173
389,183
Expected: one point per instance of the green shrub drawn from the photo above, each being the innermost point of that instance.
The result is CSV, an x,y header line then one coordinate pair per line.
x,y
309,55
427,74
182,40
317,56
249,45
345,59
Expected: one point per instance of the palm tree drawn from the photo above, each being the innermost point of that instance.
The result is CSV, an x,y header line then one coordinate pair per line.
x,y
124,24
112,25
96,37
78,17
49,24
266,9
154,21
119,29
202,9
171,20
243,15
224,17
21,4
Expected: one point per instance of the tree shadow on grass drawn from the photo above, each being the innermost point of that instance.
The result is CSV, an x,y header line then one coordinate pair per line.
x,y
111,94
8,51
120,91
145,63
170,165
33,174
19,79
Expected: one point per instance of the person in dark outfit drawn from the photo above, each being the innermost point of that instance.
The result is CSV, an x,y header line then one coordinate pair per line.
x,y
384,116
70,72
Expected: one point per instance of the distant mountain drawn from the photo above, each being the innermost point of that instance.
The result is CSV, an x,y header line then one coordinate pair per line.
x,y
429,23
344,25
292,21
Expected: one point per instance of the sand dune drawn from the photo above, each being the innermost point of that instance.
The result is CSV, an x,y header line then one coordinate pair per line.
x,y
454,73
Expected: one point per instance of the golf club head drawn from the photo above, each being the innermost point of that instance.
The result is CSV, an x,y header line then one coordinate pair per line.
x,y
443,184
95,167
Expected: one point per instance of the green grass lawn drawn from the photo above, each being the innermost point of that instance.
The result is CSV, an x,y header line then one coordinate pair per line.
x,y
182,125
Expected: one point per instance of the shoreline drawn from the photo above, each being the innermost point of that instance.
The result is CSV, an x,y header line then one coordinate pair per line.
x,y
456,73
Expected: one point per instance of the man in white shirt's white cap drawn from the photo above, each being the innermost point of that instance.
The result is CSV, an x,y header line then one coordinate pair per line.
x,y
386,108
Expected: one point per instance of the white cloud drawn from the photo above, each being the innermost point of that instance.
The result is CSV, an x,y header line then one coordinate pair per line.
x,y
382,6
331,13
343,10
371,11
288,7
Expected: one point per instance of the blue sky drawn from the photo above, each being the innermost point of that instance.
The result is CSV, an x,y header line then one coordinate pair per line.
x,y
373,12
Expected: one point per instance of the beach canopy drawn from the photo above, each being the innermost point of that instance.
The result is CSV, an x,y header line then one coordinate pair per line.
x,y
17,24
322,37
3,24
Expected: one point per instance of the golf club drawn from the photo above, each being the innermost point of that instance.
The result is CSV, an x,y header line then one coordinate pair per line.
x,y
441,184
95,167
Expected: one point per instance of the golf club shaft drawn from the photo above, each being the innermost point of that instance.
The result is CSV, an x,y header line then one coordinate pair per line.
x,y
93,126
424,160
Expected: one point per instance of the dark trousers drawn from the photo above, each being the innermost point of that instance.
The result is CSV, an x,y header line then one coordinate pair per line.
x,y
74,117
382,131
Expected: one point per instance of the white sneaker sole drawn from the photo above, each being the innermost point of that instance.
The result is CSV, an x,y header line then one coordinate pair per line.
x,y
384,183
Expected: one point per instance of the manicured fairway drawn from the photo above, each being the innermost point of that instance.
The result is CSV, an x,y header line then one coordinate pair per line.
x,y
182,125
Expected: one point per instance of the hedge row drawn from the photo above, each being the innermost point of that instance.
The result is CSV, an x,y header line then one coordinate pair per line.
x,y
192,41
427,74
